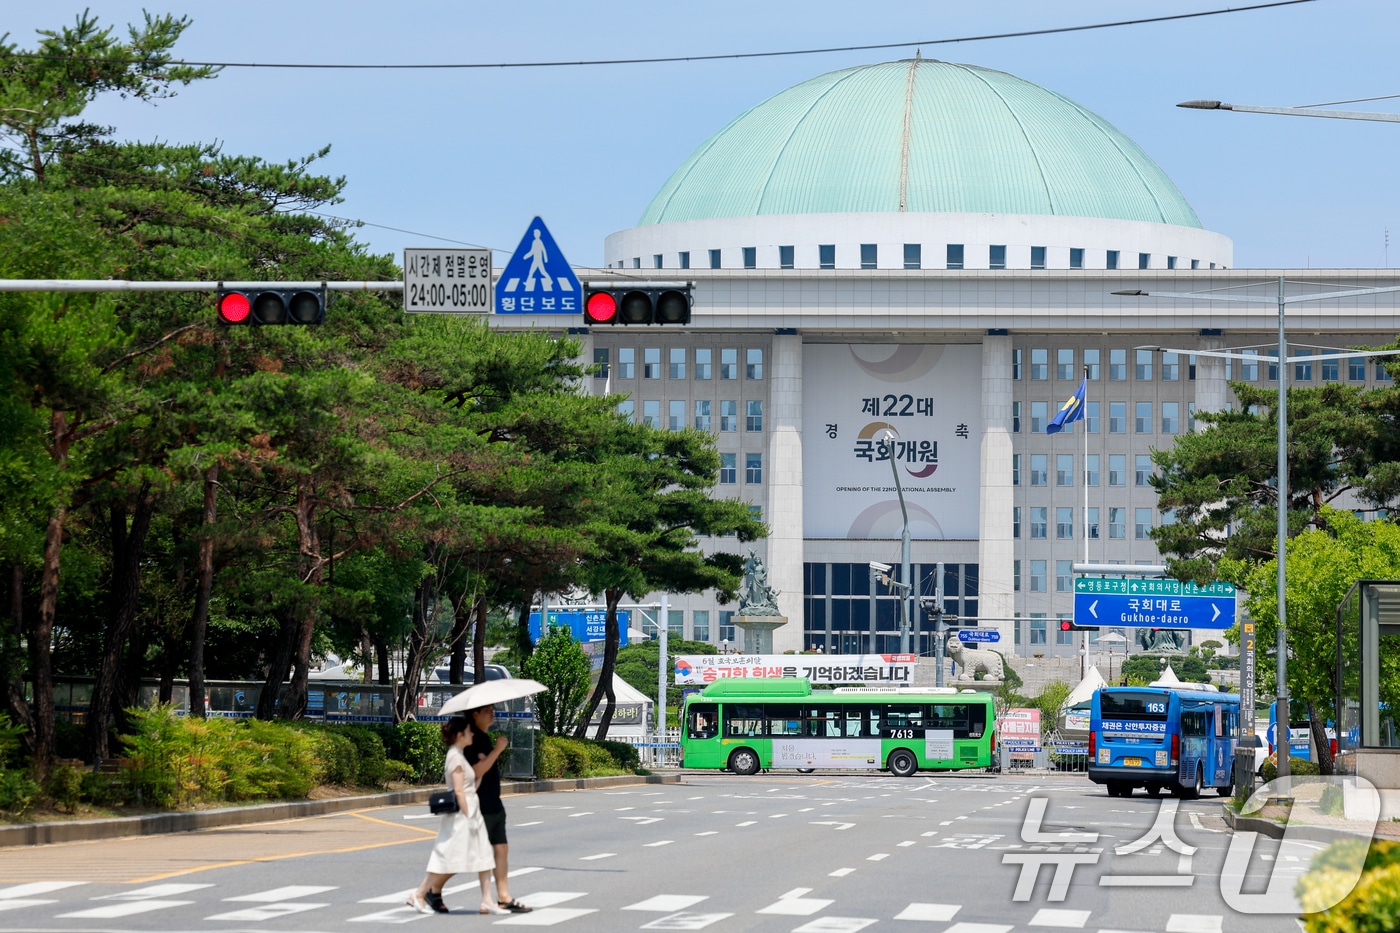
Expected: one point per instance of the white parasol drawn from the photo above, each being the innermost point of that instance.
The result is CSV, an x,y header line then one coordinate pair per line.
x,y
490,692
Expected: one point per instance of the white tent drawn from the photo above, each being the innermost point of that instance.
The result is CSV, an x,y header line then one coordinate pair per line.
x,y
632,715
1168,679
1084,691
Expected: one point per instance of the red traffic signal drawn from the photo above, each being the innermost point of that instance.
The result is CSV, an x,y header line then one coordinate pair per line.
x,y
637,303
1067,625
273,306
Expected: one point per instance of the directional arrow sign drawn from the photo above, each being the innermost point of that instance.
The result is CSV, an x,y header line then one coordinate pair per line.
x,y
1172,612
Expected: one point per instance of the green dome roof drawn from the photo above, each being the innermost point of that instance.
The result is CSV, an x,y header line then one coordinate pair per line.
x,y
919,136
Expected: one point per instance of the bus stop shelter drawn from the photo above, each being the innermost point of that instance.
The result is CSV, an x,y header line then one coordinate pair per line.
x,y
1368,687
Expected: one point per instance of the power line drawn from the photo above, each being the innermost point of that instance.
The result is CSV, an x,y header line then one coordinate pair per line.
x,y
682,58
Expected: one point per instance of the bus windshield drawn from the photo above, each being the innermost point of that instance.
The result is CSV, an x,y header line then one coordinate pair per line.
x,y
1134,705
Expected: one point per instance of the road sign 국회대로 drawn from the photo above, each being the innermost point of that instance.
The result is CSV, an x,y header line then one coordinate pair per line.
x,y
1170,604
447,281
967,635
538,279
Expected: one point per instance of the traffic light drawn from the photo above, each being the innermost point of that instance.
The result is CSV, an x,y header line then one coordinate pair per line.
x,y
636,303
273,306
1067,625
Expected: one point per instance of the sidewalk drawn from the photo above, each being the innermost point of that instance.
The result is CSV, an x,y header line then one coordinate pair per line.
x,y
31,834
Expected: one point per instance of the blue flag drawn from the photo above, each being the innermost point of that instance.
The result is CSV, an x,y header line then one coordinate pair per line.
x,y
1071,411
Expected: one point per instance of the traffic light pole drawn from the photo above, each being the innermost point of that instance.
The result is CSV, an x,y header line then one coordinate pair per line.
x,y
122,285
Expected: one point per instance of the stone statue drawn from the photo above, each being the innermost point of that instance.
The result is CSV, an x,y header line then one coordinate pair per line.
x,y
972,661
756,597
1163,640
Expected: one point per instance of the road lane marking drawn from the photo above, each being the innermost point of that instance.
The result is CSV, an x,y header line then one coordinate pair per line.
x,y
668,903
877,857
289,893
37,887
127,909
546,916
594,858
834,925
841,873
685,921
1058,917
663,842
267,911
937,913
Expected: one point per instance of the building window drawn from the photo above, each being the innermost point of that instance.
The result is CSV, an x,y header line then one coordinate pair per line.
x,y
1142,417
702,414
626,363
600,360
1111,260
1356,368
1171,368
703,358
1037,257
677,369
628,408
1117,469
1142,371
1191,416
868,254
750,257
714,259
1171,421
726,627
996,257
1302,371
1091,417
1195,264
729,364
1040,364
826,256
656,261
753,420
676,414
1016,521
1116,528
700,625
1038,626
1272,356
651,414
1091,470
1091,364
1144,260
785,257
1038,415
728,470
1039,469
1168,517
1064,577
1040,521
1382,374
1016,576
651,363
753,363
913,255
728,416
1015,469
636,262
1091,524
1117,417
1249,366
1142,523
1064,364
1038,583
753,469
1064,469
955,255
1329,370
1117,365
1016,365
1171,262
675,623
1076,257
1142,470
684,259
1015,417
1064,522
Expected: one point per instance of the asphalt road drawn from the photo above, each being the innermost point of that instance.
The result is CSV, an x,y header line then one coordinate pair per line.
x,y
771,853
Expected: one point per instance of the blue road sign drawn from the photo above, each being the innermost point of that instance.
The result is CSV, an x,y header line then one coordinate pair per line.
x,y
586,625
966,635
1152,604
538,279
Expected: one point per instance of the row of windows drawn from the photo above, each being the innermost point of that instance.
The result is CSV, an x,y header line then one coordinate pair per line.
x,y
703,414
1143,423
955,256
1170,369
1093,476
677,359
1039,525
699,626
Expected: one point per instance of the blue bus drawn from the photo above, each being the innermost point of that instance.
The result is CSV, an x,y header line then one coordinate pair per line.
x,y
1182,739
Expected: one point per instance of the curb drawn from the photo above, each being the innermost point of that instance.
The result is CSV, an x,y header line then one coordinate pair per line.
x,y
1274,829
34,834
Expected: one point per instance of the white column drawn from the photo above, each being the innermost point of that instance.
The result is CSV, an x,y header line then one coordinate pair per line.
x,y
1212,394
782,509
995,551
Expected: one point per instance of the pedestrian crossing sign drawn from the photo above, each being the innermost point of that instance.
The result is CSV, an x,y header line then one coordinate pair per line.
x,y
538,279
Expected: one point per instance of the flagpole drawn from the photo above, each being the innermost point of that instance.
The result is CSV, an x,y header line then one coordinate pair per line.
x,y
1084,472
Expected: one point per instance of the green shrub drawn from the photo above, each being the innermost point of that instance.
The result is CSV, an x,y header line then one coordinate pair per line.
x,y
400,771
1373,907
18,792
418,744
623,755
370,749
64,786
105,789
340,760
558,757
70,740
1299,767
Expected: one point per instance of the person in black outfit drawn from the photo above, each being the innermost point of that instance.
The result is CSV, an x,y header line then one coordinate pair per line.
x,y
488,792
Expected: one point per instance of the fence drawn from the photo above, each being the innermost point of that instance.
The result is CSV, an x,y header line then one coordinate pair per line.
x,y
653,754
1055,752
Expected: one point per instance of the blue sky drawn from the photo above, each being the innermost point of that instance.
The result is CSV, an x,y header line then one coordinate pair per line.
x,y
473,155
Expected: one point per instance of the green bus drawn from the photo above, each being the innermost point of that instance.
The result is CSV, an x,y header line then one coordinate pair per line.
x,y
745,725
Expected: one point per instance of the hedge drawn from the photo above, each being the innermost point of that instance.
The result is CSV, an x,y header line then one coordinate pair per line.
x,y
558,757
1298,767
1372,906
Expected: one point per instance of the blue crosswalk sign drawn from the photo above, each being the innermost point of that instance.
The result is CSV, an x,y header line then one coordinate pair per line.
x,y
538,279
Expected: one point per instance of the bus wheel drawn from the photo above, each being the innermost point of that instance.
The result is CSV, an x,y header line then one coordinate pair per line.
x,y
1114,789
805,770
902,763
1227,791
744,761
1195,790
1153,790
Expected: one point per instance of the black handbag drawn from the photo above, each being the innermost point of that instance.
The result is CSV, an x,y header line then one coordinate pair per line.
x,y
443,801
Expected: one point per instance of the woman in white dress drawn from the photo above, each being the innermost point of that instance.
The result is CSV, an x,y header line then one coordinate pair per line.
x,y
462,843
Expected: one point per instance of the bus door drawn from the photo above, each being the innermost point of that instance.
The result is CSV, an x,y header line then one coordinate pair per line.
x,y
1197,731
702,721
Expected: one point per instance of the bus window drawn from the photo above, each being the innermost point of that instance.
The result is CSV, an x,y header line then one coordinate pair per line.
x,y
743,720
703,722
1195,724
978,724
1133,705
782,720
904,716
853,722
824,722
950,716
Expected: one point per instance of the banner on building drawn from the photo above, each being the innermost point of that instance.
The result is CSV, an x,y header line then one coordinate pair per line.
x,y
863,404
872,670
1019,729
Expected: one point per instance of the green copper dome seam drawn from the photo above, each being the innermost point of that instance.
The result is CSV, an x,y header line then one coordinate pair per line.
x,y
1030,145
797,124
690,164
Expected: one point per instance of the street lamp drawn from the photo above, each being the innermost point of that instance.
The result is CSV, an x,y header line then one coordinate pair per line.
x,y
1283,360
887,443
1293,111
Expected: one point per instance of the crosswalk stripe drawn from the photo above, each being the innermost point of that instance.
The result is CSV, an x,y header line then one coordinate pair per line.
x,y
546,917
668,903
153,892
267,911
684,921
127,909
397,915
289,893
21,903
37,887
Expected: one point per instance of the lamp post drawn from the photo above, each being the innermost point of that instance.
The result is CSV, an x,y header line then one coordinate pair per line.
x,y
1282,300
1293,111
886,441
